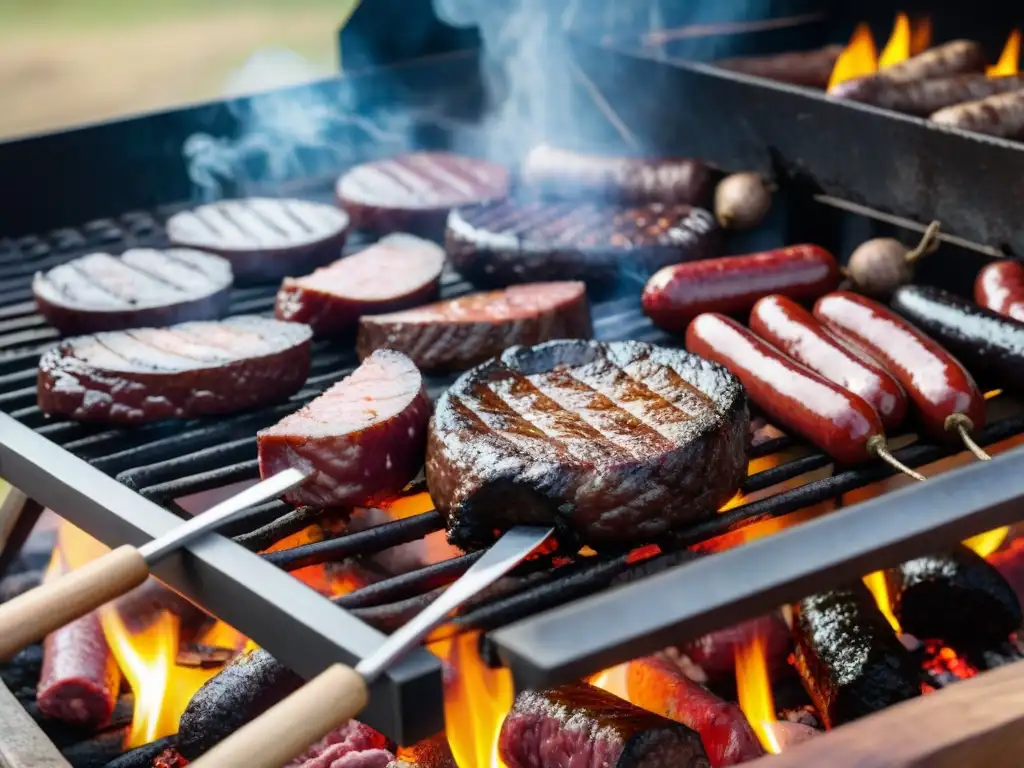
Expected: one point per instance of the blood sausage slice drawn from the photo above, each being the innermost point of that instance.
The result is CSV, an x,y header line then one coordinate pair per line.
x,y
613,443
187,370
517,242
264,238
142,287
360,442
458,333
414,192
398,272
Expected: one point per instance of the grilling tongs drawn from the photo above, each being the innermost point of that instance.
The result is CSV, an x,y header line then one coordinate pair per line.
x,y
30,617
338,694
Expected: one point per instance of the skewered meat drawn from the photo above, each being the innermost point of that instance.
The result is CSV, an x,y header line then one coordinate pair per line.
x,y
848,656
397,272
611,443
413,193
142,287
187,370
456,334
263,238
956,597
659,686
1000,287
810,68
567,175
360,442
506,242
582,725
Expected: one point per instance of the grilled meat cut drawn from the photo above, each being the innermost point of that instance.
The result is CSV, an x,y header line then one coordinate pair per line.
x,y
849,658
397,272
506,242
360,442
956,597
187,370
140,288
457,334
612,443
582,725
352,745
414,192
263,238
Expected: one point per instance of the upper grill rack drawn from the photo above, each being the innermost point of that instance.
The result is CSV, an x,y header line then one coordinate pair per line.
x,y
167,462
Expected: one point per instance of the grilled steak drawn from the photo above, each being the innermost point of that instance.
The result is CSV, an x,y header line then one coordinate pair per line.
x,y
456,334
496,244
142,287
360,442
397,272
263,238
413,193
613,443
187,370
582,725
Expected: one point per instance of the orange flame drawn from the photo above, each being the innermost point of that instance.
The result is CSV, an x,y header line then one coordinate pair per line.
x,y
898,47
858,59
875,582
754,690
1008,59
476,700
920,35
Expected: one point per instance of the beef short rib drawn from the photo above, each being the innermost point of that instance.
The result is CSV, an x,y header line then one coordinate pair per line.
x,y
496,244
579,724
397,272
613,443
457,334
360,442
187,370
263,238
142,287
414,192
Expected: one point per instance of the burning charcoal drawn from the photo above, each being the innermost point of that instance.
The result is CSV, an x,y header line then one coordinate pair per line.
x,y
943,666
429,753
848,656
169,758
956,597
24,669
352,738
593,727
805,715
243,690
96,752
657,685
19,583
1006,652
715,653
203,656
64,735
144,756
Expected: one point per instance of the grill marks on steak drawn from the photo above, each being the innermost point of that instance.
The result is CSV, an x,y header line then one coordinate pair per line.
x,y
143,286
397,272
264,238
414,192
613,443
187,370
458,333
360,442
513,242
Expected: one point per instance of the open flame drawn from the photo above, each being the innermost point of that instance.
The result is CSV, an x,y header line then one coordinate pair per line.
x,y
860,58
754,691
898,47
875,582
1008,59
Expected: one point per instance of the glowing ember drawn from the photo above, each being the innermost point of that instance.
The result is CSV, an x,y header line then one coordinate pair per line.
x,y
858,59
880,590
921,36
754,689
898,47
1008,59
944,663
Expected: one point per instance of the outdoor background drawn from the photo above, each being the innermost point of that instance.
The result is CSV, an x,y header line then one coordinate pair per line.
x,y
71,61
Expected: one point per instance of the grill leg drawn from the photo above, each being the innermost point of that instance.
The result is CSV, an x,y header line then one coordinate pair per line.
x,y
18,516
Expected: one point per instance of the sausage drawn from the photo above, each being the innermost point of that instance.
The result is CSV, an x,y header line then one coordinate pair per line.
x,y
659,686
999,115
1000,287
803,402
937,384
785,324
809,68
715,652
732,284
953,58
80,678
990,345
924,97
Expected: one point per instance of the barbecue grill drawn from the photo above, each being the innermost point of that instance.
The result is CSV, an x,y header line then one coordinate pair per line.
x,y
112,186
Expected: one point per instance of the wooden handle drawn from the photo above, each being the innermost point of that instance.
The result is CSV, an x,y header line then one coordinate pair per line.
x,y
288,729
30,617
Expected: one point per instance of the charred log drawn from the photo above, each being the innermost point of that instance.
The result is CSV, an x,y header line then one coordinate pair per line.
x,y
143,757
96,752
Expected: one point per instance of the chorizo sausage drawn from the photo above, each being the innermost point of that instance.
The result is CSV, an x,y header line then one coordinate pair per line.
x,y
1000,287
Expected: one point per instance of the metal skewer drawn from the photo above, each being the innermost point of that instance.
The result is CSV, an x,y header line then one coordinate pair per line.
x,y
30,617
